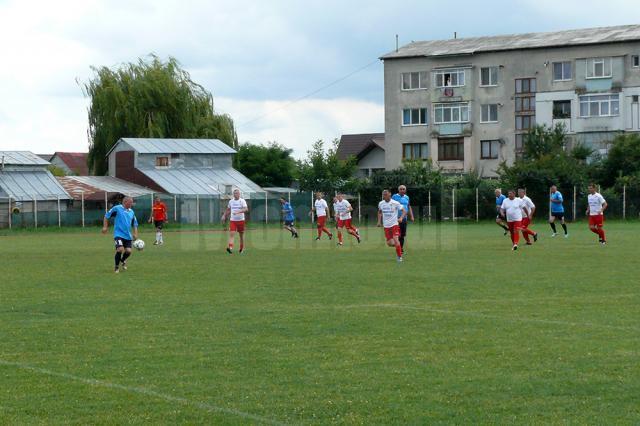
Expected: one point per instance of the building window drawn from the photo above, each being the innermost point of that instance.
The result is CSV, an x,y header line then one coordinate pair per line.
x,y
414,117
451,149
635,61
415,151
489,76
520,139
561,109
525,104
449,78
414,80
562,71
489,113
599,105
598,67
451,113
634,99
162,161
525,122
525,85
489,149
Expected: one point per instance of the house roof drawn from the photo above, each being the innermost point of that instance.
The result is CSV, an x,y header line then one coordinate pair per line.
x,y
22,158
473,45
94,187
75,161
176,146
45,157
27,185
200,181
359,145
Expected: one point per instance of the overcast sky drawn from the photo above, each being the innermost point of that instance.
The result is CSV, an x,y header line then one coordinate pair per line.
x,y
256,57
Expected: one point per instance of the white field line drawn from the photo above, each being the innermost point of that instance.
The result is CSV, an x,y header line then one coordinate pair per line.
x,y
142,391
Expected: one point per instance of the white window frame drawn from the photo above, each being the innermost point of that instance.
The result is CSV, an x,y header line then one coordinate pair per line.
x,y
422,85
488,107
491,83
612,97
593,62
459,106
426,116
442,72
635,58
563,64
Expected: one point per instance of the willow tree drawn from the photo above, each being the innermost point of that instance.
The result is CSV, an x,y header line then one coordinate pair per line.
x,y
149,99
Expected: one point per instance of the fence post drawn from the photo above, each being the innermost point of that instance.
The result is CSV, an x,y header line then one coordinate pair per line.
x,y
59,217
453,204
575,209
175,208
197,209
35,211
429,207
266,207
10,211
359,215
289,194
624,202
312,215
82,206
106,201
477,208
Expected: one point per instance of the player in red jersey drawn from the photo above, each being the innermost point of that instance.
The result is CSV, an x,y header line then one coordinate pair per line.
x,y
158,218
236,209
390,215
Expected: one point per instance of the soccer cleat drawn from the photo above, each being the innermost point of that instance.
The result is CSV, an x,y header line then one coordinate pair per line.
x,y
318,238
358,238
603,242
505,233
399,259
229,250
124,265
155,243
529,243
515,247
566,235
116,270
339,244
296,235
553,235
330,237
241,251
535,237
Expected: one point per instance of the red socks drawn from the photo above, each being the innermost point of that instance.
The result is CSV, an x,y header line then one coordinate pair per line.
x,y
399,250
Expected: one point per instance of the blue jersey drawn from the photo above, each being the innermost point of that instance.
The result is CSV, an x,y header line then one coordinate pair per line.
x,y
557,207
288,212
404,200
123,221
499,200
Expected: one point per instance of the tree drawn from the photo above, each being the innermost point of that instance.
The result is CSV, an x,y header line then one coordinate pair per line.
x,y
323,171
270,165
152,99
622,160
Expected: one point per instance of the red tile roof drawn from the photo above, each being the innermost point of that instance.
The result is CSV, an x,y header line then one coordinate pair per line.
x,y
75,161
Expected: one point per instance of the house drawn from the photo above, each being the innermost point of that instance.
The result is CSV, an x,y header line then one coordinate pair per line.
x,y
72,163
367,148
468,103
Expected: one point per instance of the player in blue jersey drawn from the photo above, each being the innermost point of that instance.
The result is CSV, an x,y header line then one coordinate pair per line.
x,y
289,217
123,220
407,213
500,218
557,211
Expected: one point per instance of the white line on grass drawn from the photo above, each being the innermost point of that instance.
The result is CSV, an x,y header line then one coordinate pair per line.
x,y
142,391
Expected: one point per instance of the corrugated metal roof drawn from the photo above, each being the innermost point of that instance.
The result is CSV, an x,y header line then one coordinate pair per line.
x,y
25,185
75,161
22,158
177,146
472,45
75,185
200,181
280,190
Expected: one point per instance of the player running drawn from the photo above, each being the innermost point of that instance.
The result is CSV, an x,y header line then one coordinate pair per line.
x,y
236,209
595,210
512,209
343,211
557,211
529,209
124,220
391,214
289,217
158,218
321,210
403,199
500,219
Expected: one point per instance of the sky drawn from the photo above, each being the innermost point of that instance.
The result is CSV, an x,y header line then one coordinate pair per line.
x,y
264,61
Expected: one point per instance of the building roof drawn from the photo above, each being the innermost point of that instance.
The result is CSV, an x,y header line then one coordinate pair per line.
x,y
359,145
45,157
27,185
94,187
176,146
75,161
473,45
200,181
21,158
279,190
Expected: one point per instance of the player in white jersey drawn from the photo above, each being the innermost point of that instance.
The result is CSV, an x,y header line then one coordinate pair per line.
x,y
321,210
512,208
343,211
595,210
529,210
235,211
390,215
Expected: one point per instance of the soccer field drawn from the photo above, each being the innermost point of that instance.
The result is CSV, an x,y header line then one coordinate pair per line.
x,y
302,332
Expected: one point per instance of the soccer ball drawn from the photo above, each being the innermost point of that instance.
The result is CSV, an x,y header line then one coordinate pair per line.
x,y
138,244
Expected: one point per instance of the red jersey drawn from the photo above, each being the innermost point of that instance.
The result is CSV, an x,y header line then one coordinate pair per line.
x,y
160,211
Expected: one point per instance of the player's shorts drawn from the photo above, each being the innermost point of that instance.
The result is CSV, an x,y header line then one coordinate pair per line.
x,y
288,223
526,222
596,220
322,220
403,228
515,226
236,225
158,223
121,242
391,233
558,215
344,223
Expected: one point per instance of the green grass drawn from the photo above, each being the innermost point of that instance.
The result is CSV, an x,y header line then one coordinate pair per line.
x,y
464,331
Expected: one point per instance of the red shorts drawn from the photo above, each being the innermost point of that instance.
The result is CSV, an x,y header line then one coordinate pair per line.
x,y
322,220
525,222
346,223
236,225
391,233
597,220
514,226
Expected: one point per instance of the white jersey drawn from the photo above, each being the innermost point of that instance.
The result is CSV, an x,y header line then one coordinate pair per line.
x,y
342,209
528,205
236,206
321,207
390,212
513,209
595,204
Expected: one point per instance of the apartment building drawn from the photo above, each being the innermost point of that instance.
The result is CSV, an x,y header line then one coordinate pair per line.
x,y
467,103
